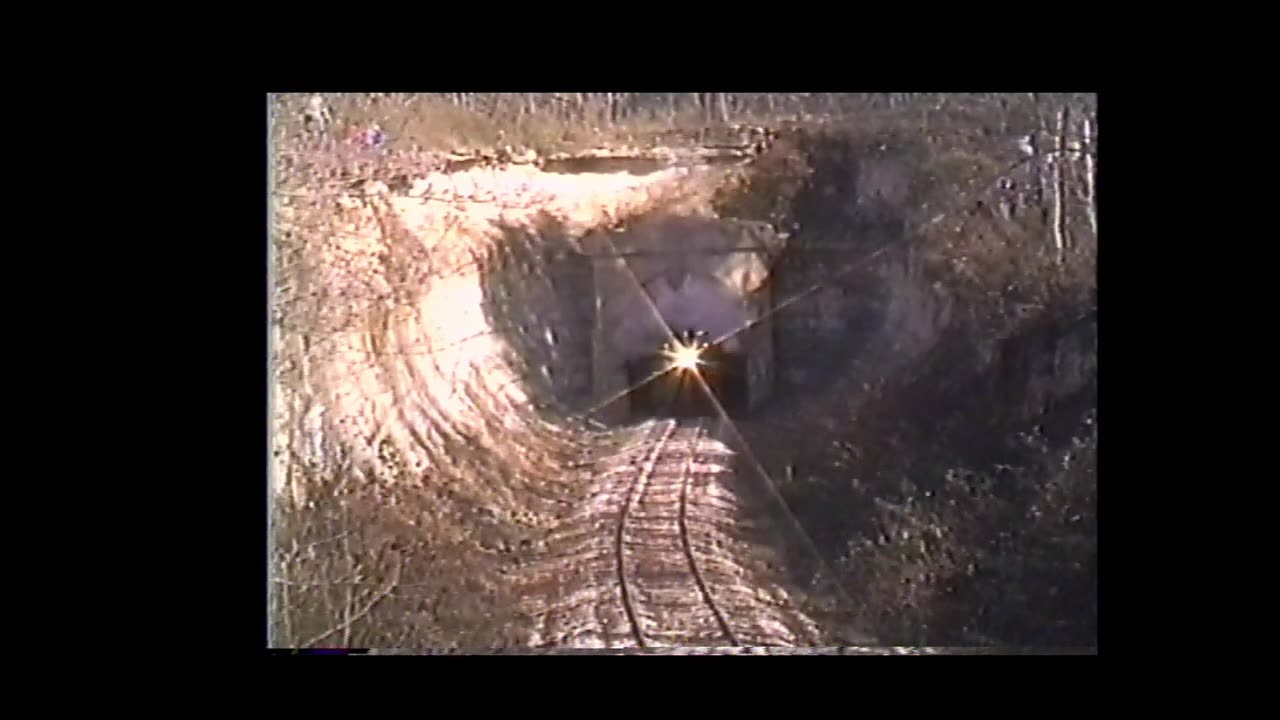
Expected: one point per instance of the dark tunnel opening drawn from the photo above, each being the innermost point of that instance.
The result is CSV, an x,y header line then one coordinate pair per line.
x,y
664,391
541,297
933,422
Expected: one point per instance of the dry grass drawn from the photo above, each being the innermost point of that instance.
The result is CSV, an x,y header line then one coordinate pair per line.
x,y
414,475
545,123
958,436
414,487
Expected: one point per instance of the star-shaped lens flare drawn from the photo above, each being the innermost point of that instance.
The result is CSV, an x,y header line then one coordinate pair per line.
x,y
685,354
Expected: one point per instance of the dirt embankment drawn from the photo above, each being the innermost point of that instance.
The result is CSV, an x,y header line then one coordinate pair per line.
x,y
932,436
415,403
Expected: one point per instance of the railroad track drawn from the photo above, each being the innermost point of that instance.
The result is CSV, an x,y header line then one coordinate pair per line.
x,y
658,557
657,567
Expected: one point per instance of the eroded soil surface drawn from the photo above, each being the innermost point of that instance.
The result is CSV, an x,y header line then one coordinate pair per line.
x,y
922,473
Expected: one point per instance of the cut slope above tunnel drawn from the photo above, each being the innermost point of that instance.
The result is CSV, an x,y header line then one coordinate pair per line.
x,y
400,347
435,351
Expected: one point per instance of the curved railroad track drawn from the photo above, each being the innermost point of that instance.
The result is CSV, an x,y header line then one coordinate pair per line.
x,y
662,555
656,560
691,472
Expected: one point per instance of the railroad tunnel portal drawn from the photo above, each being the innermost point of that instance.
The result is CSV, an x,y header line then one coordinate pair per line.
x,y
674,274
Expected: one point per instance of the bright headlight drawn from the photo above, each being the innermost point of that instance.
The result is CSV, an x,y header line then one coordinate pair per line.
x,y
685,356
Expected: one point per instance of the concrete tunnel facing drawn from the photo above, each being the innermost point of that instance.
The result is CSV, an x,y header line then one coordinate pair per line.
x,y
666,275
590,313
847,355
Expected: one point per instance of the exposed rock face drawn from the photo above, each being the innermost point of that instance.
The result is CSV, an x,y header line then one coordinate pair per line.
x,y
444,329
411,353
